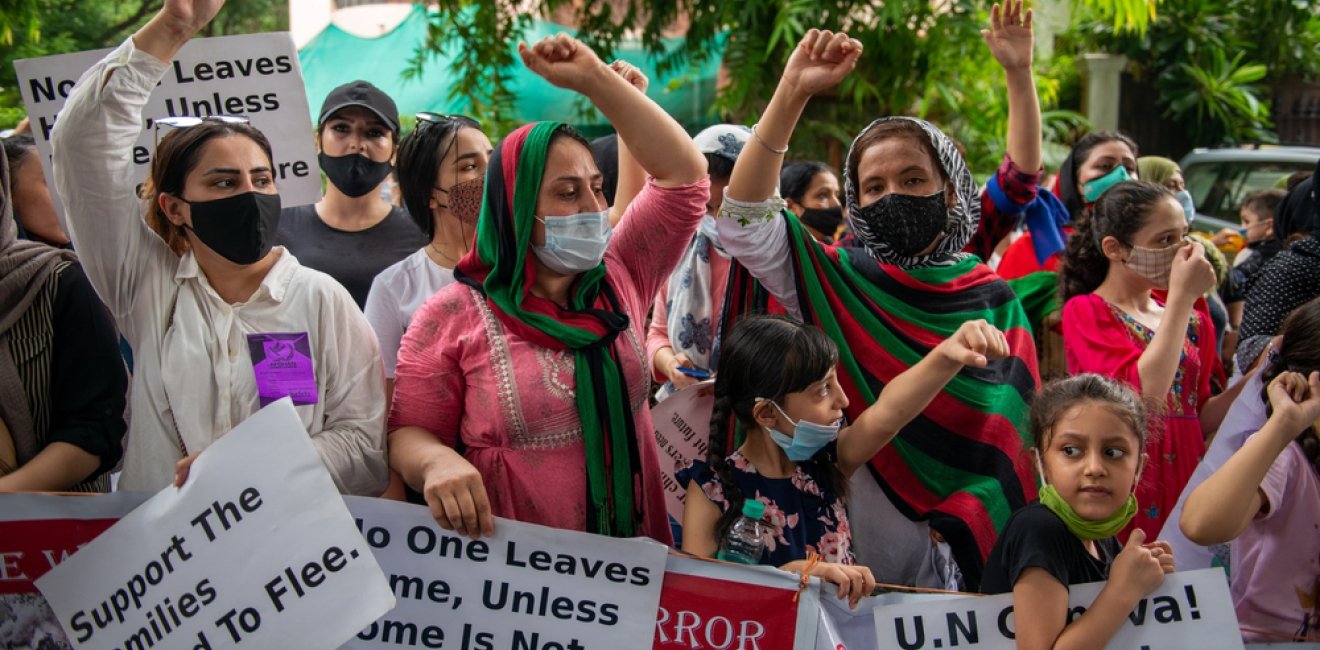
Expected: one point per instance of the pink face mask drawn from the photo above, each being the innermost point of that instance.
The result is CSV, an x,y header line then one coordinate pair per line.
x,y
1155,264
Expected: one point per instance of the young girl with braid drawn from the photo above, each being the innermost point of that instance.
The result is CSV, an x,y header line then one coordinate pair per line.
x,y
778,379
1275,549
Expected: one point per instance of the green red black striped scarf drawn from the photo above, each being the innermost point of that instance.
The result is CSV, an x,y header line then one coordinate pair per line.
x,y
500,267
962,464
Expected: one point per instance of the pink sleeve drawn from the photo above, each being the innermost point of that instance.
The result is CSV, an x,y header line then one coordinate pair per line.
x,y
656,229
428,380
1276,484
657,335
1096,342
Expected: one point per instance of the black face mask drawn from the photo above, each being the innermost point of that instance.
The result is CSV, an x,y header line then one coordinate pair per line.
x,y
355,175
904,224
240,228
825,220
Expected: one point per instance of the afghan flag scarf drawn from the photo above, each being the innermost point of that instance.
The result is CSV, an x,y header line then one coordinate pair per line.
x,y
500,266
962,464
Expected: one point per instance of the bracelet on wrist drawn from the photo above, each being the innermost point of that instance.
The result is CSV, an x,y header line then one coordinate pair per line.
x,y
765,144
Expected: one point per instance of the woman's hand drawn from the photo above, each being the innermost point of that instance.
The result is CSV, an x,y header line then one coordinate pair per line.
x,y
631,74
189,16
1010,37
974,344
821,60
457,496
1296,401
669,363
182,468
563,61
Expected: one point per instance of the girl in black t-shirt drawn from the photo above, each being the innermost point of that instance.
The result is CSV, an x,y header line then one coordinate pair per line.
x,y
1089,433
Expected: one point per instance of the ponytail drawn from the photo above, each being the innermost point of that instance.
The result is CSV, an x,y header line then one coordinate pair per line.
x,y
1299,352
717,458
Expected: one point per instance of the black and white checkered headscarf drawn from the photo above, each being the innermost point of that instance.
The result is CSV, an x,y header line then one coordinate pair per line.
x,y
963,216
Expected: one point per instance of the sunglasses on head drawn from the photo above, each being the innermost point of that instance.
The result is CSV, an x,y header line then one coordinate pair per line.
x,y
439,118
188,121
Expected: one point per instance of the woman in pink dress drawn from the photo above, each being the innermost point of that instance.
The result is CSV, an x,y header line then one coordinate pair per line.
x,y
1132,285
521,389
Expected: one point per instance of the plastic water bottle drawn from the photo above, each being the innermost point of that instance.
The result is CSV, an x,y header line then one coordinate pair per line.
x,y
746,539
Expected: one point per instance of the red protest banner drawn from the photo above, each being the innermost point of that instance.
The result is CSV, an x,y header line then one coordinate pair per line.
x,y
727,607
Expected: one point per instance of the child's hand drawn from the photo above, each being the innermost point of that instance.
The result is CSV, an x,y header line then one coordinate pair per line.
x,y
1137,568
1163,552
974,344
563,61
855,582
1191,275
821,60
1296,401
1009,36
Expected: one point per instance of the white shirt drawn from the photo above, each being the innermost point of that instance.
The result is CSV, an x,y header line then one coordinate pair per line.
x,y
395,294
192,365
753,233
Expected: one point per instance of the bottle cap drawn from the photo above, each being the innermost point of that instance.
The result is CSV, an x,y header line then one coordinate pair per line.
x,y
753,509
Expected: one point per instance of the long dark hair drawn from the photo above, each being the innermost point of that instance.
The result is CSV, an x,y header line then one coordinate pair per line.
x,y
1299,352
420,153
1120,212
177,154
764,357
1081,152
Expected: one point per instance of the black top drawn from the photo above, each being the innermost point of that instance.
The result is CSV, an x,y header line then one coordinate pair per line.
x,y
66,352
1036,537
352,258
1262,252
1287,282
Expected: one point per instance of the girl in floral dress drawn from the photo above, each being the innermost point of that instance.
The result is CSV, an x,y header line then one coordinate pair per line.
x,y
777,382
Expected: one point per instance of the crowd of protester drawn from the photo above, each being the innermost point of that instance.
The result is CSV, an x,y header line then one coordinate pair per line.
x,y
488,336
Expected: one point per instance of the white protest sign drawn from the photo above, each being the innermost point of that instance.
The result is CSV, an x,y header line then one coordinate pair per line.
x,y
256,549
1191,609
682,431
845,628
254,75
528,587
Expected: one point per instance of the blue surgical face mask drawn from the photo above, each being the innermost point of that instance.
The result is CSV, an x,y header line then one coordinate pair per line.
x,y
576,243
1092,190
1188,205
807,439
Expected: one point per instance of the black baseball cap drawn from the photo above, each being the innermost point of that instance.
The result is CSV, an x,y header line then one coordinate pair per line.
x,y
361,93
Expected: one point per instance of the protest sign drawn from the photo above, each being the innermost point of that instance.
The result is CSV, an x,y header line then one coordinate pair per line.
x,y
845,628
256,76
256,548
1190,610
528,587
682,429
731,607
37,532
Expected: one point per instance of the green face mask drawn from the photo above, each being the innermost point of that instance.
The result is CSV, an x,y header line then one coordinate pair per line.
x,y
1093,189
1085,528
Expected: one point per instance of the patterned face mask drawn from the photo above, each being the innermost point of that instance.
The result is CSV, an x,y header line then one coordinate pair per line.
x,y
465,199
1155,264
908,224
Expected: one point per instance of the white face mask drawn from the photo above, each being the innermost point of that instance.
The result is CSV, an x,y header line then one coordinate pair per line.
x,y
575,243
